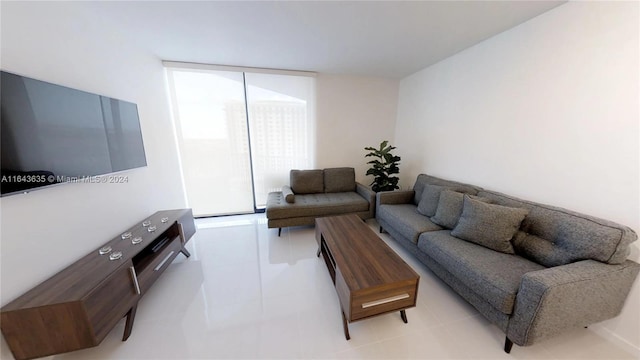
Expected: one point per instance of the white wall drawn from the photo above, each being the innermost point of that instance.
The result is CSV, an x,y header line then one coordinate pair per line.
x,y
547,111
46,230
353,112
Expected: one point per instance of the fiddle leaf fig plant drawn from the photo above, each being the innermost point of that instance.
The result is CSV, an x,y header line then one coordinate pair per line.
x,y
383,166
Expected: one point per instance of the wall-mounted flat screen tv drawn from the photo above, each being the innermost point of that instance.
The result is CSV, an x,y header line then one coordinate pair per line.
x,y
52,134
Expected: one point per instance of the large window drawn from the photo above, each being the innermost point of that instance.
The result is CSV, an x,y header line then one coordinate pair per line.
x,y
239,133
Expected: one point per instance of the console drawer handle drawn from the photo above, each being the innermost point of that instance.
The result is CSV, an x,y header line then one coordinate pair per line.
x,y
134,276
165,260
385,300
181,233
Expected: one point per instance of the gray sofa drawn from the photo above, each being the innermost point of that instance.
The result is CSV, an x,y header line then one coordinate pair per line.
x,y
534,270
317,193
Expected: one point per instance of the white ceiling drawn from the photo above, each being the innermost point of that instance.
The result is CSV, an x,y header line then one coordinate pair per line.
x,y
384,38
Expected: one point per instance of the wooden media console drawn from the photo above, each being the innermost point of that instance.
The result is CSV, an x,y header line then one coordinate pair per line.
x,y
77,307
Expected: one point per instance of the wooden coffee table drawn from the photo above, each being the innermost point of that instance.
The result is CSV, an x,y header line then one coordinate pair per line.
x,y
370,278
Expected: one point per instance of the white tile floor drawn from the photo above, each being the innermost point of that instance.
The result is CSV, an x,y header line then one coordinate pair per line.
x,y
247,293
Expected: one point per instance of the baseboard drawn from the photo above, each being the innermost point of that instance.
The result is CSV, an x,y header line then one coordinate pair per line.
x,y
616,339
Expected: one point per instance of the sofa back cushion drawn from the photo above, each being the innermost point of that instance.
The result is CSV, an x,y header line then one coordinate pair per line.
x,y
306,181
553,236
341,179
424,179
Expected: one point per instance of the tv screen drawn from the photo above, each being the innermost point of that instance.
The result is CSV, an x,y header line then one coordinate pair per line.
x,y
52,134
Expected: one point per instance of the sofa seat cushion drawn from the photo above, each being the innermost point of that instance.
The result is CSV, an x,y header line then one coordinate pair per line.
x,y
493,275
406,220
317,205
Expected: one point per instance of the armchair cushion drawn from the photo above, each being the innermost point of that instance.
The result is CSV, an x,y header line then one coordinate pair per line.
x,y
306,181
489,225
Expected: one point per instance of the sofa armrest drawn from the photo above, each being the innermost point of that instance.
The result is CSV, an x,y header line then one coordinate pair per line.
x,y
552,300
394,197
369,195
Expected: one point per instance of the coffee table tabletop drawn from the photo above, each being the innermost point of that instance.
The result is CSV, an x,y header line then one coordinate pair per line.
x,y
370,278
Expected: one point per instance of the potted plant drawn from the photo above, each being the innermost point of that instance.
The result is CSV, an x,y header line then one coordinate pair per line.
x,y
383,166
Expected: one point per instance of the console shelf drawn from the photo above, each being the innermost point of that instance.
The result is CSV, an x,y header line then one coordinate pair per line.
x,y
77,307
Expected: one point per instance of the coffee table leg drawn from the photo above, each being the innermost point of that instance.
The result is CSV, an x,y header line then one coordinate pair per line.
x,y
346,326
403,315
